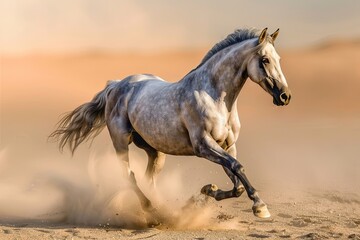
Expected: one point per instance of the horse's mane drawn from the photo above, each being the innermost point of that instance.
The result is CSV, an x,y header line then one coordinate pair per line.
x,y
239,35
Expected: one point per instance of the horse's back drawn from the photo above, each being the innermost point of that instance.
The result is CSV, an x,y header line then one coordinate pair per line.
x,y
152,108
124,90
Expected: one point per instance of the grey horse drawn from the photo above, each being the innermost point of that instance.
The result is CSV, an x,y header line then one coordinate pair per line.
x,y
194,116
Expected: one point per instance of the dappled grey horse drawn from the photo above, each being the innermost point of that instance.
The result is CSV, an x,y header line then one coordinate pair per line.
x,y
195,116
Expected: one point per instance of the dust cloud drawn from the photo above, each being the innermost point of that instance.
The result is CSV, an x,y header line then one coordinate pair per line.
x,y
98,195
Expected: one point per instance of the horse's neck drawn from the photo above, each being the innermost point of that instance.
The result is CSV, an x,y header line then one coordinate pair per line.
x,y
222,76
229,76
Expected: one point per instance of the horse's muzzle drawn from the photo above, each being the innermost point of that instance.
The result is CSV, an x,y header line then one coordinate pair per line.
x,y
282,98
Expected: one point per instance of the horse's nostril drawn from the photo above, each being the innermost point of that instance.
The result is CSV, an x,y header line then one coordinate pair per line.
x,y
283,97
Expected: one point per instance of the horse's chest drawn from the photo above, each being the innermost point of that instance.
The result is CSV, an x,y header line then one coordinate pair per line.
x,y
219,125
217,118
222,133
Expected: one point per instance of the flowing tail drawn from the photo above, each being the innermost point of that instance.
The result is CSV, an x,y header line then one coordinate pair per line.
x,y
84,123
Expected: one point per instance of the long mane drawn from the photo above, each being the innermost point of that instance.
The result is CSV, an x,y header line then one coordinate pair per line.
x,y
237,36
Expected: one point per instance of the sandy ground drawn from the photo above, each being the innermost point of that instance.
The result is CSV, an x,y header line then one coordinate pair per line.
x,y
303,159
313,215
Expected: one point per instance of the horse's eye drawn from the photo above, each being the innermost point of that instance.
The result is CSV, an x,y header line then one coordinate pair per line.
x,y
265,60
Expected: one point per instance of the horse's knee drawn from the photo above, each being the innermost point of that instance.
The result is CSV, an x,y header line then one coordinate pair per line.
x,y
237,167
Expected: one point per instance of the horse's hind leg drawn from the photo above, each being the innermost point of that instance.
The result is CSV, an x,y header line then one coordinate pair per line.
x,y
156,159
213,191
120,132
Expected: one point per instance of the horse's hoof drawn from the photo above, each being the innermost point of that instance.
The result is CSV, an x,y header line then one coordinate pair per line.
x,y
209,189
261,211
153,218
153,224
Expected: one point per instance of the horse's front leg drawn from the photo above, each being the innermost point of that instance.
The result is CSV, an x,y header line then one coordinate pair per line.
x,y
213,191
208,148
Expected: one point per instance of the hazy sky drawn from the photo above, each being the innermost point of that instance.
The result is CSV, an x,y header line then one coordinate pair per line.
x,y
28,26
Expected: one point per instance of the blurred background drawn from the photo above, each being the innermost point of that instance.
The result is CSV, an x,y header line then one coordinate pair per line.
x,y
56,55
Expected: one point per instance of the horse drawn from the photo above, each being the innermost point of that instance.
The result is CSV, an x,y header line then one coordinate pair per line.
x,y
194,116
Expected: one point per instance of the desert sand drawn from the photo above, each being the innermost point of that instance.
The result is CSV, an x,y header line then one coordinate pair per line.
x,y
303,158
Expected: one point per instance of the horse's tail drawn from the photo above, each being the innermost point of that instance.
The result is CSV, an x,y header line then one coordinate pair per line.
x,y
83,123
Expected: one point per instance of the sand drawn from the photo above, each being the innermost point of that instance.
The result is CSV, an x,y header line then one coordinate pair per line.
x,y
312,215
303,159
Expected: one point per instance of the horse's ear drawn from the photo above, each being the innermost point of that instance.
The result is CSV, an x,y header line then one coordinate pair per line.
x,y
262,36
275,34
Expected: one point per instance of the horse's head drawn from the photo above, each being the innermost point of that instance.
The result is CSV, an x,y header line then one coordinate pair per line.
x,y
264,69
